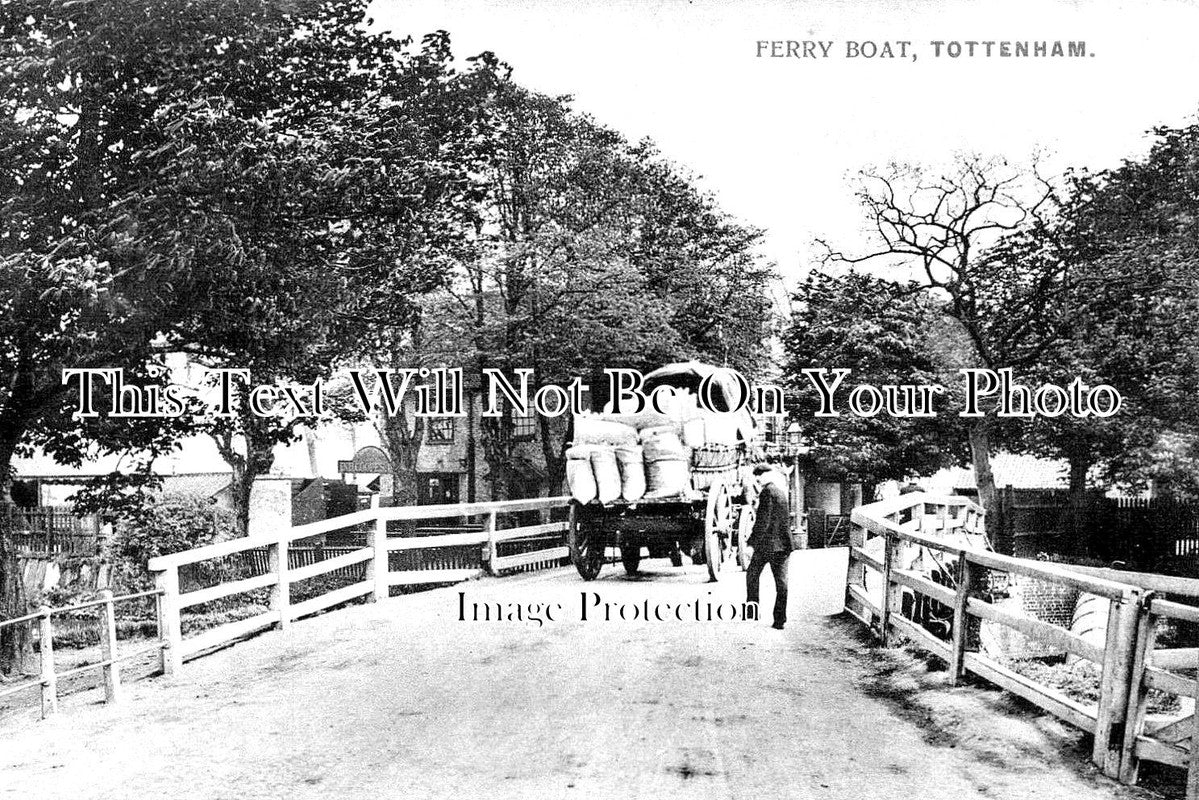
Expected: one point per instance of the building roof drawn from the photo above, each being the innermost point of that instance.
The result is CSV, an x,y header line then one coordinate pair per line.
x,y
1010,469
200,484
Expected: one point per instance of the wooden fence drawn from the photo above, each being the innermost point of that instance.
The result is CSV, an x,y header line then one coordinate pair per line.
x,y
110,660
379,572
51,530
913,529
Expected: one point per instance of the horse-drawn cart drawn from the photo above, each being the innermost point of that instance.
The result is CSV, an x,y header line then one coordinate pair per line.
x,y
709,520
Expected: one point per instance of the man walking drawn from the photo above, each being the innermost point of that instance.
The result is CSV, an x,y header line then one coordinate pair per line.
x,y
771,541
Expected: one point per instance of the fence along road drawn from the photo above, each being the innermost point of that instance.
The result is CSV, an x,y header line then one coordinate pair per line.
x,y
403,693
401,699
1131,665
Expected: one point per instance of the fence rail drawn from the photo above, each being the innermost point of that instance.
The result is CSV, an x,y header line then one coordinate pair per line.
x,y
370,566
916,526
110,661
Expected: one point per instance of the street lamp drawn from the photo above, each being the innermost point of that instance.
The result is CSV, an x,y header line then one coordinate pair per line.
x,y
794,435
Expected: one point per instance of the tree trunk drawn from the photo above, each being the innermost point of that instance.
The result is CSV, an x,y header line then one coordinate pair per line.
x,y
257,461
16,646
979,434
553,449
403,448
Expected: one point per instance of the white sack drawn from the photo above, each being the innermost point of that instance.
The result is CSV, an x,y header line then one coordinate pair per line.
x,y
607,474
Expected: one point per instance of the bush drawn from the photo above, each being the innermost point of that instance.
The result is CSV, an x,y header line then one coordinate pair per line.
x,y
170,524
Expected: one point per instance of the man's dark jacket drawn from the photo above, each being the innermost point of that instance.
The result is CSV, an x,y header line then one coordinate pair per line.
x,y
772,528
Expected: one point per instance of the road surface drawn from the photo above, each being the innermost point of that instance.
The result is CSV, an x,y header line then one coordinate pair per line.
x,y
403,699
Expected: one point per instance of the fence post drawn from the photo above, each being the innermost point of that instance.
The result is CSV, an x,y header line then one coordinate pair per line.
x,y
281,590
49,678
961,620
888,559
1118,652
1138,693
378,566
855,573
170,628
108,649
492,555
1193,759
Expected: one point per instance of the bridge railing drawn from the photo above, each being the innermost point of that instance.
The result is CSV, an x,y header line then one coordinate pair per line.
x,y
945,616
377,577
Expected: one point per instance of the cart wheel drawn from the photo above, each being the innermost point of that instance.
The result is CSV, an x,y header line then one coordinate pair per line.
x,y
585,540
745,526
630,556
718,527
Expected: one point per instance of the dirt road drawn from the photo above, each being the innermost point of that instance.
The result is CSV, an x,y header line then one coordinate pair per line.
x,y
402,699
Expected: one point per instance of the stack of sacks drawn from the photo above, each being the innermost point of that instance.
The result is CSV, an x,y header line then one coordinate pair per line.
x,y
677,410
632,472
579,475
592,429
667,462
607,474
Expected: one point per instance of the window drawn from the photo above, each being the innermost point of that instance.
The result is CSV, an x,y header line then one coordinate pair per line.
x,y
770,425
441,430
524,428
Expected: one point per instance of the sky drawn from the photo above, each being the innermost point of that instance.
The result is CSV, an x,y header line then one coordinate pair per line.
x,y
778,140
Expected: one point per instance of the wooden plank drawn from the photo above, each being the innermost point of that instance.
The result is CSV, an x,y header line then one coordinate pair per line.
x,y
279,566
1163,753
1118,655
330,564
862,557
1050,700
1036,629
440,540
225,589
209,551
170,629
920,635
923,585
1138,697
228,632
1172,732
1188,587
20,687
492,552
859,594
530,531
49,679
1175,658
419,576
1165,608
1169,682
961,620
472,509
108,650
868,623
332,598
524,559
232,546
1192,792
1051,573
888,590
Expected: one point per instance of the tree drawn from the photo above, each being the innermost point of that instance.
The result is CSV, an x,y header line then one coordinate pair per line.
x,y
941,226
599,253
888,334
84,281
1125,240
